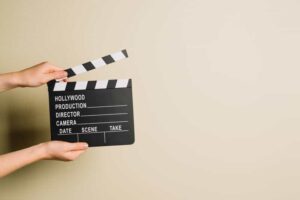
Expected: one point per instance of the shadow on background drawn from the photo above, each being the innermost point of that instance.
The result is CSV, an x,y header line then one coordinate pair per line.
x,y
23,126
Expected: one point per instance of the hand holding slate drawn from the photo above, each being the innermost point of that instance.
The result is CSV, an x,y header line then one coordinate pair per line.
x,y
53,150
64,151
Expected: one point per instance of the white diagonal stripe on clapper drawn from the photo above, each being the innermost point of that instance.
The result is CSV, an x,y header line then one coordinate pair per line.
x,y
122,83
98,63
81,85
118,56
101,84
79,69
60,86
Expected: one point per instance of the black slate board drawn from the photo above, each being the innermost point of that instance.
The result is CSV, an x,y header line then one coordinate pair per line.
x,y
100,117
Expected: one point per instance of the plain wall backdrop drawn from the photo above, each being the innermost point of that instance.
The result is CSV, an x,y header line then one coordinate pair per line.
x,y
216,97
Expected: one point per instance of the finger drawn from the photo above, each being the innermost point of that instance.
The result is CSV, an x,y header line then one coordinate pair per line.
x,y
64,80
57,75
78,146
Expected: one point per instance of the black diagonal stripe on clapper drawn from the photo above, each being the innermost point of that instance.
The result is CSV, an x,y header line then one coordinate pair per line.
x,y
70,72
70,86
108,59
91,85
111,84
88,66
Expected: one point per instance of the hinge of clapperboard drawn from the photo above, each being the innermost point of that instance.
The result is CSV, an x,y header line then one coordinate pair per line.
x,y
55,85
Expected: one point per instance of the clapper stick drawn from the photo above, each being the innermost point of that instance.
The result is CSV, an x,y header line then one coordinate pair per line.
x,y
105,60
99,112
94,64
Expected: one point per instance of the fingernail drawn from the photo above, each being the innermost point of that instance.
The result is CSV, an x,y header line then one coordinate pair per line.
x,y
86,145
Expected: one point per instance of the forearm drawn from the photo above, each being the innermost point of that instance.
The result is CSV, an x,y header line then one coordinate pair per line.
x,y
8,81
12,161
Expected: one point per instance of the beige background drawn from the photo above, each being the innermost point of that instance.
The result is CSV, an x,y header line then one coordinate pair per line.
x,y
216,97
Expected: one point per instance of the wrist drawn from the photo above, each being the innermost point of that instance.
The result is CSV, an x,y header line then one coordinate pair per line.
x,y
10,81
13,80
41,152
17,80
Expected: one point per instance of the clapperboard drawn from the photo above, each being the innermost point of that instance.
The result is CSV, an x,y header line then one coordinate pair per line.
x,y
98,112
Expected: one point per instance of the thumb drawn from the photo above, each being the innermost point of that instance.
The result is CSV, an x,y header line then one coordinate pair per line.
x,y
57,75
78,146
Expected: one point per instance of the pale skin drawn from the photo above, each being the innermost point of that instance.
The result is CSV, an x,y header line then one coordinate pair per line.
x,y
54,150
